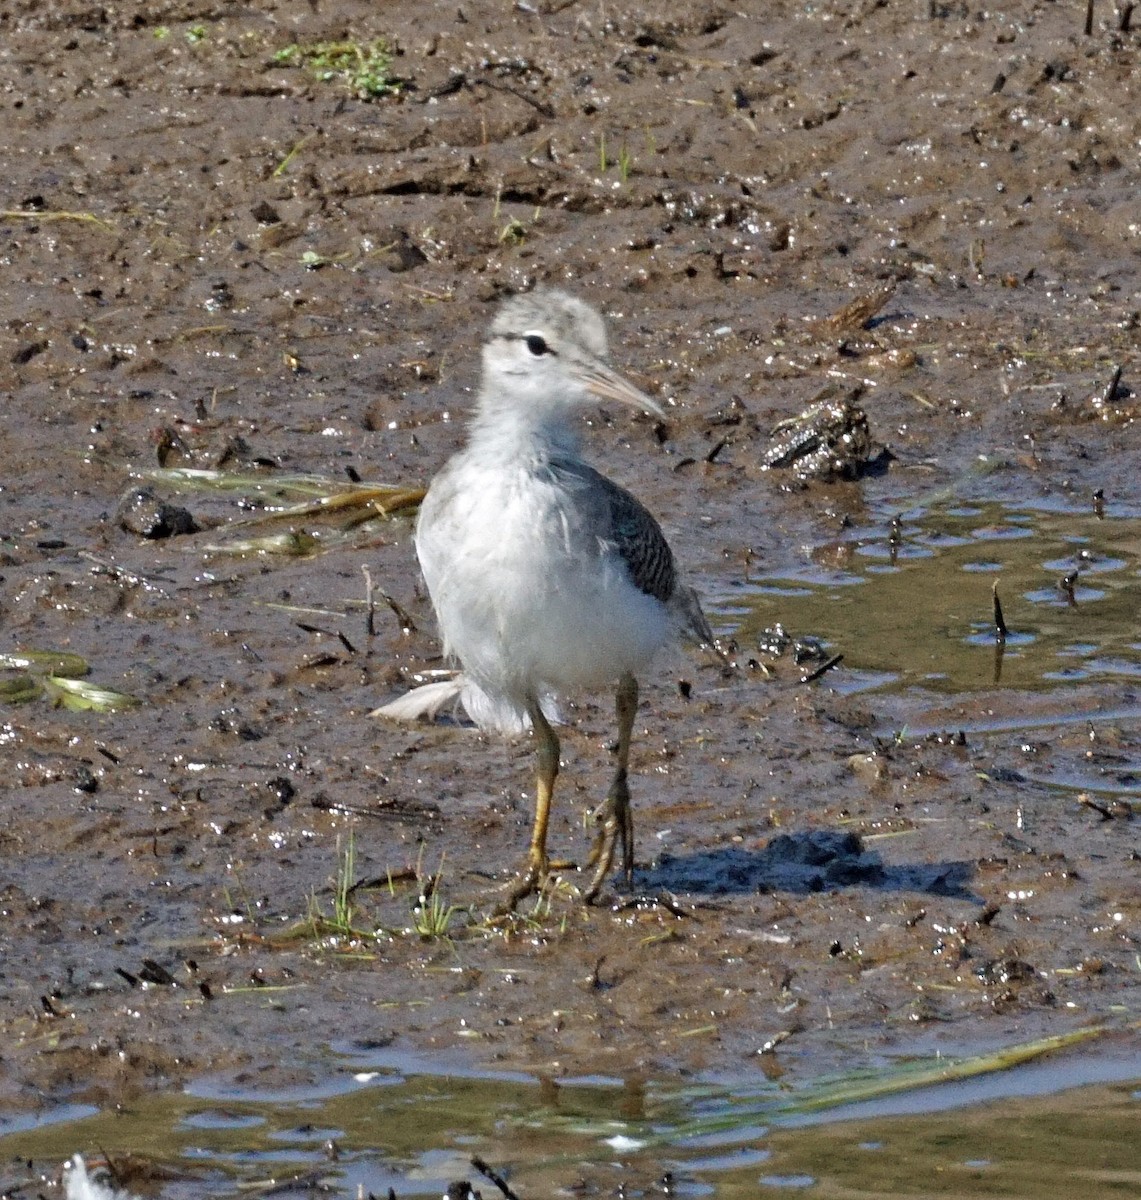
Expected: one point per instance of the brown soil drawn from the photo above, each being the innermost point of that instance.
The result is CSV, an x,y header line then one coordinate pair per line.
x,y
200,241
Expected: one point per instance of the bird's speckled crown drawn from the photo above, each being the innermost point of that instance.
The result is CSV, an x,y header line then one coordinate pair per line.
x,y
557,315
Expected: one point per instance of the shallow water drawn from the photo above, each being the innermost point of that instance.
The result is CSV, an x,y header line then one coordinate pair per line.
x,y
912,606
1062,1126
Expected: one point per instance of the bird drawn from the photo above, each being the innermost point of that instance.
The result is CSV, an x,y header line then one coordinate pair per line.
x,y
546,577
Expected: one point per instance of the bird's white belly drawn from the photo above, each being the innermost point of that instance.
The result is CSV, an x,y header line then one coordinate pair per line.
x,y
526,598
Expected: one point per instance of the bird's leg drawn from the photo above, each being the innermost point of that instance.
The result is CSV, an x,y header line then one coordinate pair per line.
x,y
534,873
615,815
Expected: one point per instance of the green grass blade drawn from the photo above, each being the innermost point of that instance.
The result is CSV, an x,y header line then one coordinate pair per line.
x,y
81,696
45,662
20,690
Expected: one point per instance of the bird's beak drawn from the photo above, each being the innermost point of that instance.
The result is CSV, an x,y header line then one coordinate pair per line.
x,y
606,384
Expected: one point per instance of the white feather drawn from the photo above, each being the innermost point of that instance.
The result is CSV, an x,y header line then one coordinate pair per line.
x,y
426,702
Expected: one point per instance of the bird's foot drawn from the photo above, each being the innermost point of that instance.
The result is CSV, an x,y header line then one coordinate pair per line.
x,y
530,880
615,824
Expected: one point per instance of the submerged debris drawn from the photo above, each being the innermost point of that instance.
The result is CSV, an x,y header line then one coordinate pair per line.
x,y
828,440
142,512
857,313
775,641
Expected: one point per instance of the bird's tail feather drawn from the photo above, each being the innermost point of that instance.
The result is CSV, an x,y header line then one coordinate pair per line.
x,y
423,702
497,713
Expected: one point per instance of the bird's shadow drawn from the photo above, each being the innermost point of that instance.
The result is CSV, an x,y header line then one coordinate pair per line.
x,y
815,860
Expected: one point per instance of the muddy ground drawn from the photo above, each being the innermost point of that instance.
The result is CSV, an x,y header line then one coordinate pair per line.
x,y
214,259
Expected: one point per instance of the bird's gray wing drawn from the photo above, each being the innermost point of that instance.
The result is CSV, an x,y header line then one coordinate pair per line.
x,y
618,519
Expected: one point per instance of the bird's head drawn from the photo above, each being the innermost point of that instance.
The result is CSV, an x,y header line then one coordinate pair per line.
x,y
546,356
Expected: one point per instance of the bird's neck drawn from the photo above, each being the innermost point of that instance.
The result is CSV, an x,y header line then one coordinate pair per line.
x,y
513,434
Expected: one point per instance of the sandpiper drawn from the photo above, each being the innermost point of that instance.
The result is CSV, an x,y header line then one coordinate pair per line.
x,y
546,577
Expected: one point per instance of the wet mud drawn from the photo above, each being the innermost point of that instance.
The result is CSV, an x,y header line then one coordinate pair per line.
x,y
215,259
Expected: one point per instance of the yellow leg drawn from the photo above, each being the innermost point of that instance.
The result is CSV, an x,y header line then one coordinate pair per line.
x,y
615,815
532,876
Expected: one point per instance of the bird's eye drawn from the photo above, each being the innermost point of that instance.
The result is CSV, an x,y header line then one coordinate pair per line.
x,y
537,345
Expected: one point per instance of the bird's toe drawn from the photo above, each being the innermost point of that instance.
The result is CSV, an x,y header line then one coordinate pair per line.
x,y
530,880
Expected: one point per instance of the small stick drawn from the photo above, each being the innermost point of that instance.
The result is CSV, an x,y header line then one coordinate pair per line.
x,y
1089,18
1110,393
895,536
283,166
407,625
40,215
1066,585
812,676
495,1178
370,603
999,623
769,1047
1089,802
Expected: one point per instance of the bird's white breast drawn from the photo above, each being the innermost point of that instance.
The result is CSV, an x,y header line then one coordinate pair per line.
x,y
529,596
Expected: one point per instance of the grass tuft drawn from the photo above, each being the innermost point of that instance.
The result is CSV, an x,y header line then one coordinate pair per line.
x,y
363,67
432,917
342,923
431,914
